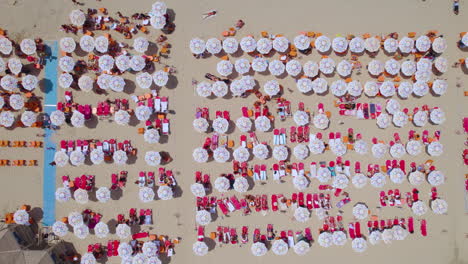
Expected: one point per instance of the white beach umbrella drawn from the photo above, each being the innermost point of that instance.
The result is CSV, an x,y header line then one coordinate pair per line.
x,y
242,66
151,136
139,258
340,44
103,194
150,249
398,150
66,63
122,62
28,118
279,247
244,124
344,68
262,123
423,43
203,217
15,65
408,68
146,194
220,88
60,229
300,183
293,67
397,175
399,233
387,89
327,65
144,80
214,46
230,45
248,44
85,83
28,46
77,119
437,116
281,44
302,42
371,89
354,88
5,46
101,44
378,180
392,106
96,156
241,154
439,45
436,178
248,82
339,238
200,155
153,158
301,118
124,250
420,118
264,45
339,88
388,235
392,67
372,44
359,244
276,67
316,146
424,64
439,206
224,67
123,231
143,112
261,151
120,157
222,184
435,149
122,117
158,22
325,239
57,118
439,86
221,155
104,81
406,45
280,153
241,185
400,119
87,43
88,258
77,17
319,85
301,248
200,124
204,89
361,147
359,180
340,181
258,249
81,196
159,9
338,148
77,158
419,208
61,158
420,88
21,217
160,78
220,125
301,214
416,178
101,230
323,44
374,237
81,231
29,82
391,45
65,80
165,193
375,67
379,150
200,248
441,64
62,194
383,120
259,64
67,44
140,44
357,45
137,63
106,62
198,189
413,147
301,151
321,213
311,69
75,219
405,89
304,85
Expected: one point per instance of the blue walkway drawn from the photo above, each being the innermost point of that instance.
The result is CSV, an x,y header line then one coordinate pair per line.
x,y
48,181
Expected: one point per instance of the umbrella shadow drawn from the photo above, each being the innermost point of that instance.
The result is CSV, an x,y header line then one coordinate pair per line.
x,y
45,85
130,86
116,194
152,48
172,82
92,122
177,191
342,54
92,195
133,121
251,183
37,214
112,224
210,243
132,159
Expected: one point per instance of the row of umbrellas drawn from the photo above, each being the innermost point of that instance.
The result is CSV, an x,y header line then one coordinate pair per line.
x,y
242,154
400,118
27,46
62,194
77,157
106,63
322,43
101,44
7,118
146,194
221,89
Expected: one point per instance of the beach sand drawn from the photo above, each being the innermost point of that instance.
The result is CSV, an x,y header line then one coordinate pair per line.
x,y
446,242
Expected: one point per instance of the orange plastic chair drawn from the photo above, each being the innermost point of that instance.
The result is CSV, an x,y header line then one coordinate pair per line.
x,y
231,143
381,78
348,80
264,34
141,130
328,114
397,79
366,35
225,57
318,34
250,172
310,34
249,145
213,235
411,34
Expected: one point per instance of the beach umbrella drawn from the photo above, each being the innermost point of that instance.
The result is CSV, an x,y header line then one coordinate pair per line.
x,y
339,238
279,247
200,248
359,180
344,68
441,64
241,154
77,119
67,44
276,67
357,45
375,67
87,43
397,175
372,44
408,68
392,67
81,196
203,217
61,158
143,112
122,62
77,17
15,65
140,44
200,124
200,155
160,78
399,233
198,189
85,83
272,87
150,249
304,85
264,45
301,151
101,44
325,239
204,89
28,118
123,231
339,88
262,123
387,89
371,89
230,45
406,45
413,147
101,230
439,86
221,155
316,146
340,181
75,219
327,65
420,118
301,248
435,149
388,235
29,82
88,258
144,80
321,121
122,117
219,89
197,46
378,180
375,237
405,89
220,125
321,213
9,83
293,67
146,194
436,178
165,193
400,119
241,184
124,250
397,150
301,118
359,244
28,46
224,67
439,206
419,208
311,69
261,151
158,22
361,147
248,82
420,88
106,62
281,44
120,157
439,45
338,148
21,217
416,178
60,229
153,158
424,64
340,44
301,214
302,42
259,64
5,45
258,249
81,231
66,63
379,150
322,44
222,184
151,136
137,63
62,194
392,106
354,88
280,153
300,183
437,116
248,44
96,156
391,45
213,46
65,80
383,120
242,66
423,43
139,259
103,194
77,158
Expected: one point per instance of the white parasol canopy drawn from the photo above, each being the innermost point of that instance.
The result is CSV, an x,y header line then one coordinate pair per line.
x,y
60,158
158,22
259,64
301,214
420,88
201,125
408,68
66,63
221,155
359,180
406,45
392,67
222,184
144,80
413,147
375,67
77,158
258,249
122,117
120,157
2,65
399,233
124,250
374,237
327,65
419,208
361,147
302,42
372,44
323,174
279,247
383,120
200,248
88,258
344,68
200,155
379,150
65,80
280,153
435,149
248,82
140,44
21,217
340,44
397,175
77,17
75,219
264,45
143,112
28,118
106,62
214,46
117,83
439,206
392,106
439,86
378,180
87,43
159,9
300,183
96,156
81,231
338,148
437,116
244,124
153,158
424,64
62,194
319,85
15,65
339,88
357,45
230,45
301,248
261,151
146,194
103,194
276,67
224,67
416,178
151,136
301,118
423,43
123,231
122,62
405,89
304,85
397,150
359,244
204,89
57,117
29,82
354,88
301,151
311,69
281,44
325,239
262,123
248,44
198,189
81,196
316,146
67,44
220,125
293,67
322,44
5,46
339,238
165,193
439,45
101,230
371,89
387,89
242,66
150,249
441,64
60,229
28,46
85,83
241,185
400,119
137,63
391,45
436,178
203,217
77,119
340,181
388,235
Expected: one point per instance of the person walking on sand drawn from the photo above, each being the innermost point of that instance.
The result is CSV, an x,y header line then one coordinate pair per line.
x,y
456,6
210,14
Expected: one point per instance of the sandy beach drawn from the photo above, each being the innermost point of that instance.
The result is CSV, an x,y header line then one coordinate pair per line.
x,y
446,242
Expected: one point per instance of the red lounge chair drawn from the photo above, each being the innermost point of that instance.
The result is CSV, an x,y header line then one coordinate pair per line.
x,y
233,236
140,235
283,236
309,201
201,233
423,227
223,207
226,115
306,133
220,234
90,248
257,112
403,166
425,137
411,224
292,134
351,233
110,249
270,230
235,202
396,222
264,202
245,234
265,111
294,197
301,106
415,195
63,145
301,199
245,112
316,201
274,203
382,224
337,192
219,114
256,235
308,234
433,193
382,198
357,226
300,134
